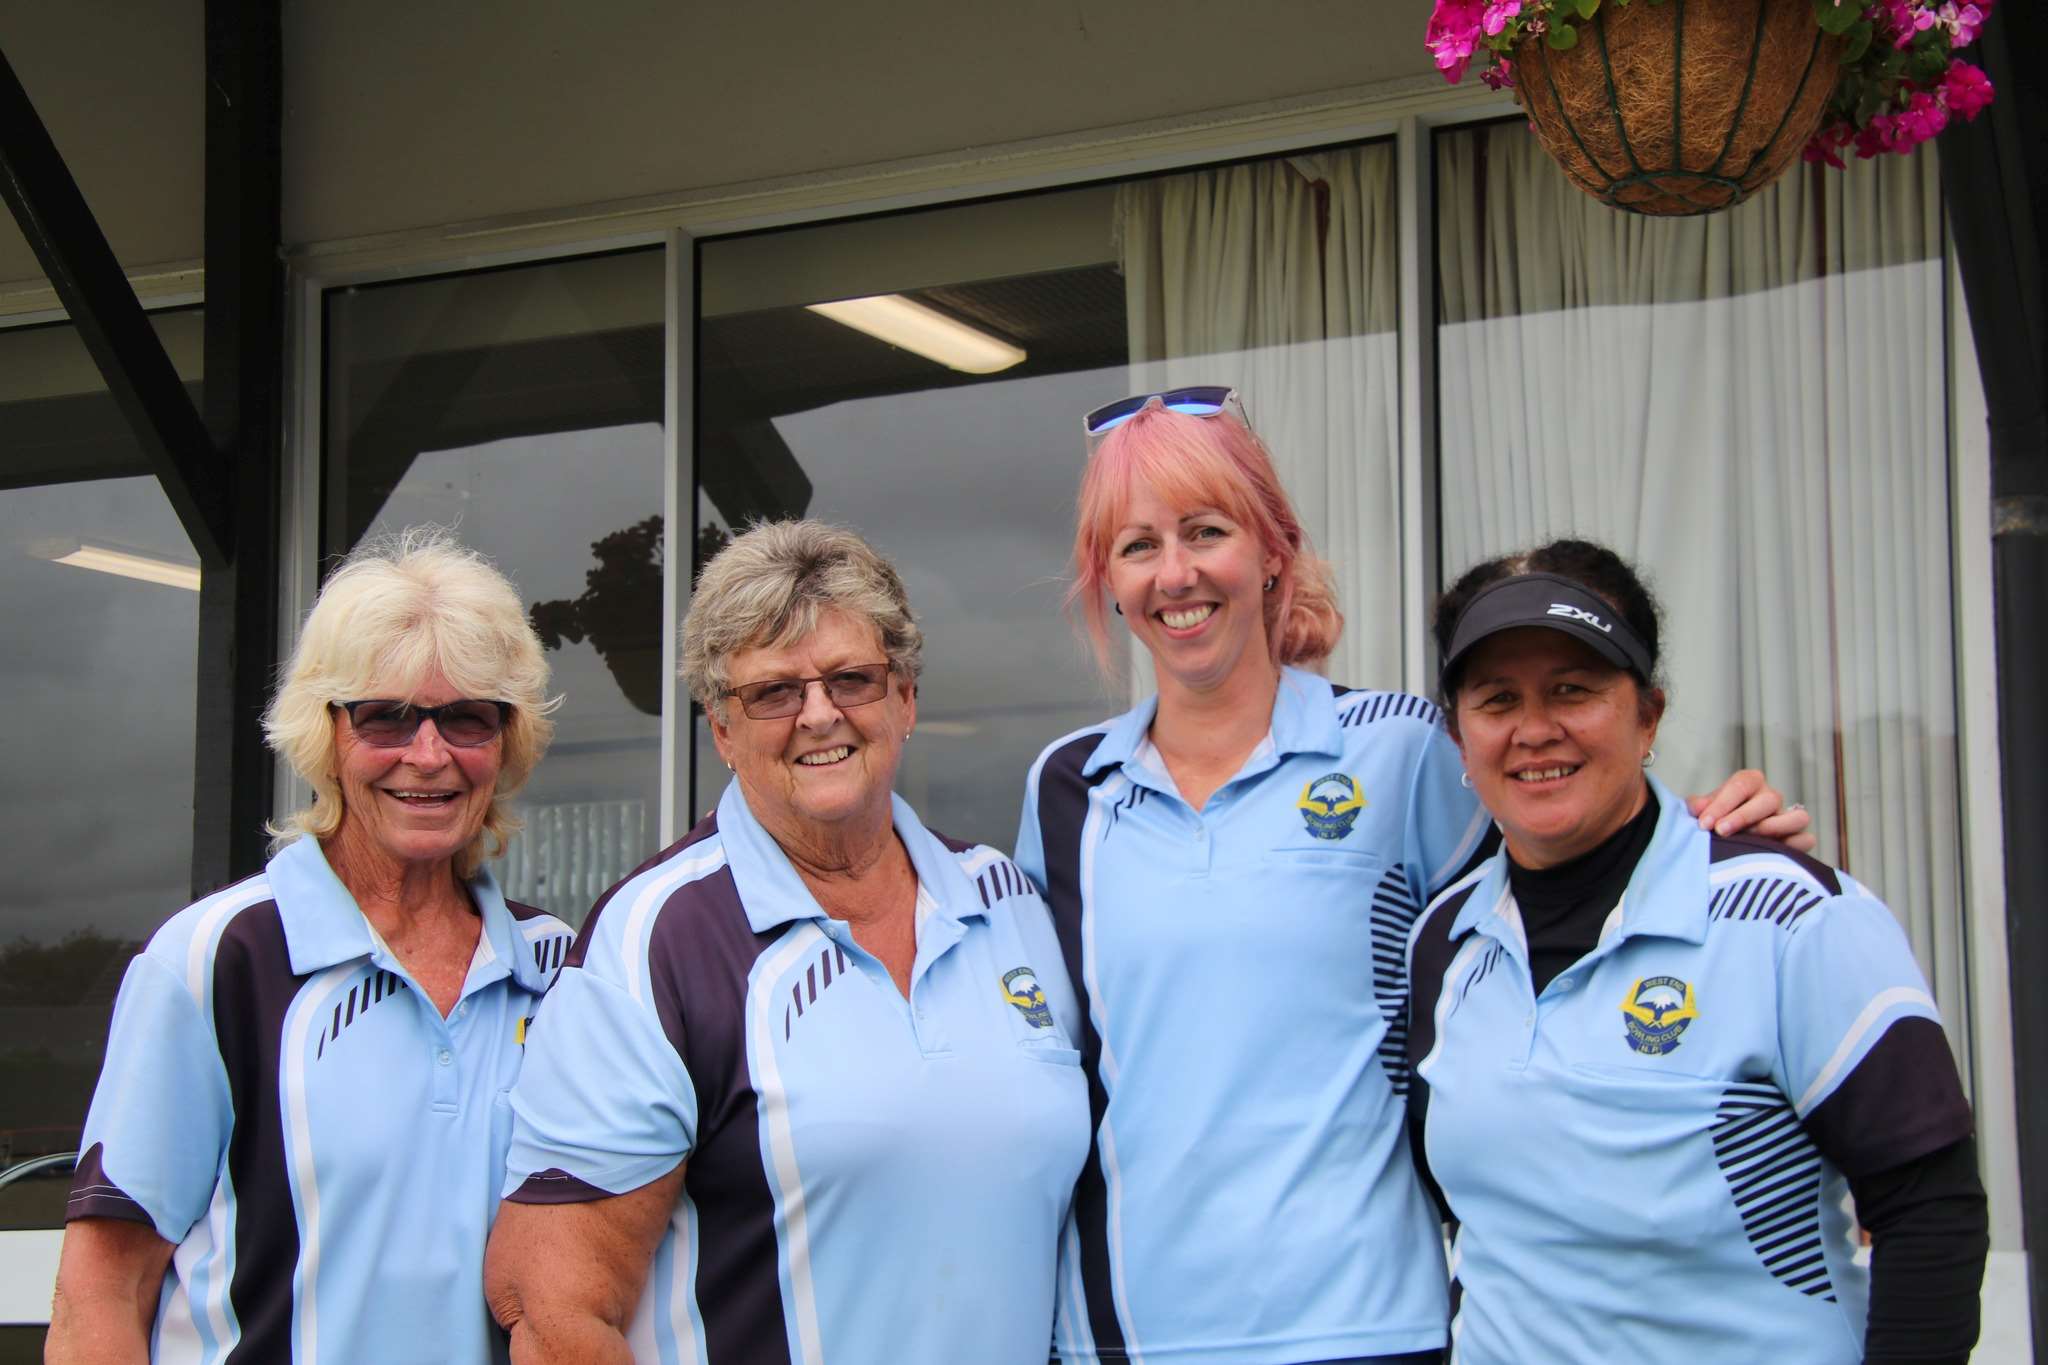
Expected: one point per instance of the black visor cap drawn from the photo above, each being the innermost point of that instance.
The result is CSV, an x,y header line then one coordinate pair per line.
x,y
1554,603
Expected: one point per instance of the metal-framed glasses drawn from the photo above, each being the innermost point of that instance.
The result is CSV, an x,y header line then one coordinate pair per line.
x,y
774,698
389,724
1196,400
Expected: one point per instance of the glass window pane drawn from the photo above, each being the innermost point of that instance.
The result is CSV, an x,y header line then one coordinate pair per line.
x,y
523,408
1752,406
100,597
1273,276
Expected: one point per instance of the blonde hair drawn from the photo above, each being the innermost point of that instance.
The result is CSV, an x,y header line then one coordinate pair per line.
x,y
771,586
1217,462
400,609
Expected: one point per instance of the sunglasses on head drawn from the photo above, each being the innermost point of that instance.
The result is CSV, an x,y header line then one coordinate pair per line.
x,y
1196,400
466,724
774,698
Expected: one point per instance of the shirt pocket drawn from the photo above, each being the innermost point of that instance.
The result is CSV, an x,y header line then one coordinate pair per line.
x,y
1051,1053
1362,861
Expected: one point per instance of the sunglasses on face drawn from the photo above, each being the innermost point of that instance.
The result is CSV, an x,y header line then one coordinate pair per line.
x,y
1196,400
774,698
466,724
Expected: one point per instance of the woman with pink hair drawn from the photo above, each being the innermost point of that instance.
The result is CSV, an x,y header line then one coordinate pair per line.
x,y
1233,867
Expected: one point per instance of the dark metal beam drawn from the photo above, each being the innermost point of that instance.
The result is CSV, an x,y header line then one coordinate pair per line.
x,y
1995,184
239,639
74,253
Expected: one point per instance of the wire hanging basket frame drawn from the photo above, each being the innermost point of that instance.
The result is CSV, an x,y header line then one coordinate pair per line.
x,y
1684,107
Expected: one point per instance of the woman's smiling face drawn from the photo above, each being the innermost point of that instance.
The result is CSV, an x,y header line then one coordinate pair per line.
x,y
1190,582
1554,738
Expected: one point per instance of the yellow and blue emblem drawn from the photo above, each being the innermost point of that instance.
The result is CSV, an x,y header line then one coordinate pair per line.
x,y
1656,1012
1329,805
1021,988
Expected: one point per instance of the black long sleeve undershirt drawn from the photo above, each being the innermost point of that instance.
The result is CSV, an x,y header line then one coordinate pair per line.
x,y
1926,1215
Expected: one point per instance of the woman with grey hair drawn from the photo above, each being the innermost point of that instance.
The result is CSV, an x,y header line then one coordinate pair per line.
x,y
294,1148
833,1041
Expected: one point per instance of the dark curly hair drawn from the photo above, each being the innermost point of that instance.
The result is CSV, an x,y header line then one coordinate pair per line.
x,y
1592,566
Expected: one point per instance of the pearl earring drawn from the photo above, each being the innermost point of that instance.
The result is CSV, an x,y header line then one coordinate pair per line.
x,y
1649,758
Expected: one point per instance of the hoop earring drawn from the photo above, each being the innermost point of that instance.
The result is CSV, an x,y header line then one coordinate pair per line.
x,y
1273,582
1117,607
1465,781
1649,758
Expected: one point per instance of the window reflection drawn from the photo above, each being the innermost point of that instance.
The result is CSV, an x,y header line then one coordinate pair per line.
x,y
99,602
523,407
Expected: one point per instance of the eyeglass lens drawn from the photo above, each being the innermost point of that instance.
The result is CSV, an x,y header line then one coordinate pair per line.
x,y
388,724
774,698
1203,400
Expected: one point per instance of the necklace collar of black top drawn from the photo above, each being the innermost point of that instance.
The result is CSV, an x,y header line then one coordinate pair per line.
x,y
1556,603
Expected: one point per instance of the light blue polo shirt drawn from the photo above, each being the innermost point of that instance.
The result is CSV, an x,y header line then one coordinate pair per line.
x,y
1250,1197
1646,1161
869,1177
284,1104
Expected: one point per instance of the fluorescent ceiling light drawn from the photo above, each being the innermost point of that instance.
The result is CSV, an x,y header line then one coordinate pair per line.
x,y
128,564
926,331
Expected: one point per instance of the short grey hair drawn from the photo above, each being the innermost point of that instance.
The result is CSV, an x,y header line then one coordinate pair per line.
x,y
772,585
399,609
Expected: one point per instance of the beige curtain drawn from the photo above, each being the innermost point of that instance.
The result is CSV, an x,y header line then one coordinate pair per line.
x,y
1751,406
1278,277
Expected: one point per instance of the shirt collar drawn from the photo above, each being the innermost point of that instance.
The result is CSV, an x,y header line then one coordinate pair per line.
x,y
324,926
1667,893
773,894
1303,722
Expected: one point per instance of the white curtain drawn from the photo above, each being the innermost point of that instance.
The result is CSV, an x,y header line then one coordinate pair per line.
x,y
1750,407
1278,278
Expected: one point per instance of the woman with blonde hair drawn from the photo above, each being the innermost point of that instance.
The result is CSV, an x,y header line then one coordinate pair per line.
x,y
1232,868
296,1141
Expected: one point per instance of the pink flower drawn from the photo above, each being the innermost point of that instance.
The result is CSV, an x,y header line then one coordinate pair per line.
x,y
1499,76
1965,89
1452,34
1962,23
1498,12
1877,137
1923,117
1906,18
1826,145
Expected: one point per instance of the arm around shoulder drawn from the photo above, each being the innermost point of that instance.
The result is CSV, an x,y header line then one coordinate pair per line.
x,y
564,1279
108,1278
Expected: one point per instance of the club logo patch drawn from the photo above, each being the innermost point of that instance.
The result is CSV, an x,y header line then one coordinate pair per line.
x,y
1329,805
1021,988
1657,1011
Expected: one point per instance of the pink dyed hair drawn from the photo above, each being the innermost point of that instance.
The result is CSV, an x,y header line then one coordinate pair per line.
x,y
1202,462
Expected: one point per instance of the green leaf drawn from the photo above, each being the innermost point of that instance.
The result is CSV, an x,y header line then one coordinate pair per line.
x,y
1859,43
1562,36
1836,16
1588,8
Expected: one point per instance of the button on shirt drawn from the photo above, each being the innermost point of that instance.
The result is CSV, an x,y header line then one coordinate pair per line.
x,y
1250,1198
1646,1159
284,1104
869,1177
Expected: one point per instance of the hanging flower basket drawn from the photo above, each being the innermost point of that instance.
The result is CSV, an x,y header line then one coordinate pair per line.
x,y
1680,108
1674,107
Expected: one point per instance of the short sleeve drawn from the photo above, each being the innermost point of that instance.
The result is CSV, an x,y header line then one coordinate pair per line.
x,y
1446,824
603,1104
1861,1049
158,1127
